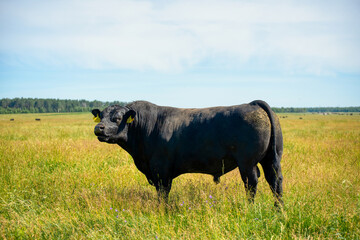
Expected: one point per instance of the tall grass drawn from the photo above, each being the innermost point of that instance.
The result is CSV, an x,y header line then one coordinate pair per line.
x,y
58,182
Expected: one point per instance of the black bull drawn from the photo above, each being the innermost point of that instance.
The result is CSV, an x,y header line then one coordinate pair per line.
x,y
166,142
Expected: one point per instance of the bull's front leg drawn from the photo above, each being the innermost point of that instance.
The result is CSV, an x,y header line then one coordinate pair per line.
x,y
161,177
163,189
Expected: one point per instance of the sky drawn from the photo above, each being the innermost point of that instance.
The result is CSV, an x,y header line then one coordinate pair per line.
x,y
182,53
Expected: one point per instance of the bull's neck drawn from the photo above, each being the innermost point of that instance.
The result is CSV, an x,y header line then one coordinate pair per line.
x,y
135,146
141,129
135,139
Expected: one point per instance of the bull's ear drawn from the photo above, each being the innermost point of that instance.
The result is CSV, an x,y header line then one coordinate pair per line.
x,y
96,113
130,116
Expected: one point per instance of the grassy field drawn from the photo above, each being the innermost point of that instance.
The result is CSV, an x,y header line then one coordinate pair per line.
x,y
57,181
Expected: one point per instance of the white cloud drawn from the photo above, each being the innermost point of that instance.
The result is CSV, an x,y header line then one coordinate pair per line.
x,y
172,36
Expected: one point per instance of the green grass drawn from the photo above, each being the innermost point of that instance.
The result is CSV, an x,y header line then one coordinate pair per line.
x,y
57,181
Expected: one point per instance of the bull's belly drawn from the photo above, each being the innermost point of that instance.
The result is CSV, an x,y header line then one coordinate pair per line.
x,y
209,165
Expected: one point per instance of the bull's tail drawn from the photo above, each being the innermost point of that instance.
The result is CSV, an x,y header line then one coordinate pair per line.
x,y
267,109
271,161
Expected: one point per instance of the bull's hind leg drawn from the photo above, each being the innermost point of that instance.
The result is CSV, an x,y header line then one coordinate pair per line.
x,y
250,179
273,175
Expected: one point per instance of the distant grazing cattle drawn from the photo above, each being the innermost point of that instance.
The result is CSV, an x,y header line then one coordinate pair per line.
x,y
12,119
37,119
166,142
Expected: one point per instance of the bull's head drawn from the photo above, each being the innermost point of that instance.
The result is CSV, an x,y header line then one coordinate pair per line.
x,y
114,122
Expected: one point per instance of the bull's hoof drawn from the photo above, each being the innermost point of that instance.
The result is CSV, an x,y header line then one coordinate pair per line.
x,y
217,180
279,204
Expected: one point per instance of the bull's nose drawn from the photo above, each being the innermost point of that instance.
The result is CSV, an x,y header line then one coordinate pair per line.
x,y
99,130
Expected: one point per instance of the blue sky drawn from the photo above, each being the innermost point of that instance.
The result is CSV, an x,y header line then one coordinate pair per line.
x,y
182,53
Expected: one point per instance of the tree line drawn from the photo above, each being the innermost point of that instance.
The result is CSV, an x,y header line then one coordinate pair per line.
x,y
38,105
316,110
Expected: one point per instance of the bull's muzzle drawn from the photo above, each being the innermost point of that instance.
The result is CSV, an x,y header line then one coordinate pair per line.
x,y
99,130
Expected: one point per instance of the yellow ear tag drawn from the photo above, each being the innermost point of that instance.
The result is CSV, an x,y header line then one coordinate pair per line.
x,y
97,119
130,119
